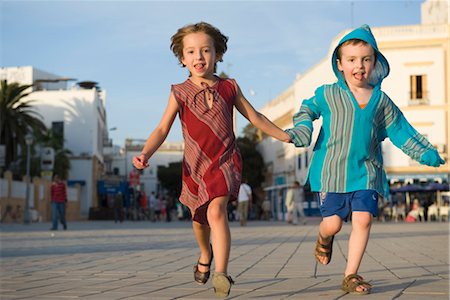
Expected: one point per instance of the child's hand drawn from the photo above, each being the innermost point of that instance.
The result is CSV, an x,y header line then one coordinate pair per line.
x,y
287,138
431,158
293,138
140,161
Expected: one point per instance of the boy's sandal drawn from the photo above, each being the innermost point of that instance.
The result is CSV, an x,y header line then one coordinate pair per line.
x,y
352,282
202,277
222,284
318,252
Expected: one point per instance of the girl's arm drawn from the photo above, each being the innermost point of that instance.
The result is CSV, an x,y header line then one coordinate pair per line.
x,y
258,119
158,135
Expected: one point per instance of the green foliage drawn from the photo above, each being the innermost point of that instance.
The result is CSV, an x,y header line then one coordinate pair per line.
x,y
49,138
170,178
253,163
17,118
223,75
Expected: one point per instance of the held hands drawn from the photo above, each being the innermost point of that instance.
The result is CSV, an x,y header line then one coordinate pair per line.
x,y
286,138
431,158
140,161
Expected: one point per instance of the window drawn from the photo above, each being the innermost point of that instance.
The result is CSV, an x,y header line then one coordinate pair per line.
x,y
58,132
306,159
418,89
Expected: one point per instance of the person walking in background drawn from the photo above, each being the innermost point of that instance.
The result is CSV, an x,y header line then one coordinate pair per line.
x,y
118,207
294,203
151,206
157,206
266,209
244,202
58,194
347,164
212,164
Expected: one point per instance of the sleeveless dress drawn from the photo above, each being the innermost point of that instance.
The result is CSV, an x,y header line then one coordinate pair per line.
x,y
212,162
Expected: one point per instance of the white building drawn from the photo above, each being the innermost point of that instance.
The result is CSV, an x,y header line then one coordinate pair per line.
x,y
167,153
79,114
419,83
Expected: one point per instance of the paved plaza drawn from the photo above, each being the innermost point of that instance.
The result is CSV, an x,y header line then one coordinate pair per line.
x,y
269,260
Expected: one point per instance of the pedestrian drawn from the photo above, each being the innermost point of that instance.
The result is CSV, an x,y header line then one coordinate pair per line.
x,y
118,207
169,207
157,206
295,196
58,193
244,202
266,209
212,163
347,165
151,206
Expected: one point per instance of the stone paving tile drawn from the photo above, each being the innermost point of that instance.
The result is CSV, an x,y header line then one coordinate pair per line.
x,y
269,260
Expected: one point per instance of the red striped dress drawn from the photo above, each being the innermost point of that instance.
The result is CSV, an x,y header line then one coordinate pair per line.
x,y
212,162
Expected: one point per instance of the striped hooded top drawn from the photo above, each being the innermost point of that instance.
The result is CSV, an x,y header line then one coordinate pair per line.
x,y
347,155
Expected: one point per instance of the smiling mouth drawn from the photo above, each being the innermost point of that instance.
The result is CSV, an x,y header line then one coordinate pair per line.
x,y
199,66
359,75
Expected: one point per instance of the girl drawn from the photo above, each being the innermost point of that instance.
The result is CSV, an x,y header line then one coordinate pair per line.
x,y
212,162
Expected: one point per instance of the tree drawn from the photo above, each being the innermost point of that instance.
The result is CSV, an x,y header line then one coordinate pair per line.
x,y
170,178
49,138
17,118
223,75
253,163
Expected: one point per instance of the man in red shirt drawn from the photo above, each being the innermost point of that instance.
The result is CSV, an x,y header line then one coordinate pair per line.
x,y
59,199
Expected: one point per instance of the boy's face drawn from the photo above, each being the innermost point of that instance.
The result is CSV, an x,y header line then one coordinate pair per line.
x,y
357,63
199,54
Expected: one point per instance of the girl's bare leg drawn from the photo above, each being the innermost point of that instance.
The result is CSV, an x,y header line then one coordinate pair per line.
x,y
202,234
220,232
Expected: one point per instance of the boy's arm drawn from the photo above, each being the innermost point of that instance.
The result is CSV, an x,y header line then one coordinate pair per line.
x,y
158,135
303,123
406,138
258,119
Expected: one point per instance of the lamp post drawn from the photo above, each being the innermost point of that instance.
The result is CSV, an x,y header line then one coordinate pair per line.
x,y
26,215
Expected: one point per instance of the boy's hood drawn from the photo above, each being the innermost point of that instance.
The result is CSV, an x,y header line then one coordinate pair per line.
x,y
381,69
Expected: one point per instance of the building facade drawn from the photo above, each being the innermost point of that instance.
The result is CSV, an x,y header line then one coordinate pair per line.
x,y
168,152
76,112
419,84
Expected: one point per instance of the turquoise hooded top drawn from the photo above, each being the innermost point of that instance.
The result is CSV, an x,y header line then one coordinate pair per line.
x,y
347,155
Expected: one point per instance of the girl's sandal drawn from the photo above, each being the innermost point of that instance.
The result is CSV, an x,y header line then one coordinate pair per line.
x,y
202,277
319,251
222,284
351,283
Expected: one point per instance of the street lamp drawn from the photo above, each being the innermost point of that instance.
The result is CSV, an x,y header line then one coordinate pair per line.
x,y
26,215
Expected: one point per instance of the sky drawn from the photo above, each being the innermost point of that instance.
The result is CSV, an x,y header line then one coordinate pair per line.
x,y
125,46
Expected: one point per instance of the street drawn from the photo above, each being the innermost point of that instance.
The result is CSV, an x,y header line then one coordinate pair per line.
x,y
269,260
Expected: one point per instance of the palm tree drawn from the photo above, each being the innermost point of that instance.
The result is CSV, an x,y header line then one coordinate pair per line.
x,y
17,118
49,138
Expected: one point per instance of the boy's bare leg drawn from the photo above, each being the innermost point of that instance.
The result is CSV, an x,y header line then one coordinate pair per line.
x,y
328,227
361,223
202,234
220,232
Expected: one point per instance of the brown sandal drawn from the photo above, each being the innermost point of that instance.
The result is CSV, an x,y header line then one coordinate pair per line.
x,y
202,277
222,284
350,285
318,252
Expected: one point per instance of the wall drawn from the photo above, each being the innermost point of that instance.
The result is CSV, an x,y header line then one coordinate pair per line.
x,y
13,193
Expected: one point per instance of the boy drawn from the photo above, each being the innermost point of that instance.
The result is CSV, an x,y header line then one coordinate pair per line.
x,y
347,165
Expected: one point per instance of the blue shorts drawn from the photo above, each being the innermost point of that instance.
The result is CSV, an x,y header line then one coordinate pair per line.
x,y
342,204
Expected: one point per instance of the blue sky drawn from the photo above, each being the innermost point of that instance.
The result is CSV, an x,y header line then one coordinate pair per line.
x,y
124,46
